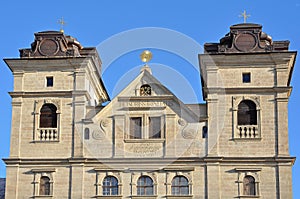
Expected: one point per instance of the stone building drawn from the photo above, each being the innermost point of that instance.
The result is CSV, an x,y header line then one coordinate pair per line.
x,y
147,143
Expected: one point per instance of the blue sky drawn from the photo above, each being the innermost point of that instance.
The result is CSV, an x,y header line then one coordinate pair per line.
x,y
96,22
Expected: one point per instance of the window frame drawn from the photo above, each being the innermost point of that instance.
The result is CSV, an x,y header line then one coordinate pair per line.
x,y
145,127
246,77
246,131
145,186
180,186
49,81
37,175
111,186
241,174
40,131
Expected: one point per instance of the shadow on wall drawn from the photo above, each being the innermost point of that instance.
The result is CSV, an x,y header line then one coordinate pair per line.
x,y
2,188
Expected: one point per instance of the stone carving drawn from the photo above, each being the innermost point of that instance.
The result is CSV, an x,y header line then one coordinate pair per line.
x,y
40,103
104,123
51,44
98,135
48,47
148,104
189,134
246,37
145,149
181,122
237,100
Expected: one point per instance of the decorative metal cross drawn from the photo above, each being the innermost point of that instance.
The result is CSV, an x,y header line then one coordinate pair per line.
x,y
245,16
62,24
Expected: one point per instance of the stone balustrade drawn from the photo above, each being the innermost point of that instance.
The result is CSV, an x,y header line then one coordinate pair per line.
x,y
248,131
47,134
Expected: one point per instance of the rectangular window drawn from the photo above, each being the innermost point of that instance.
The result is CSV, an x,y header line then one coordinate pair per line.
x,y
49,81
246,77
135,128
154,127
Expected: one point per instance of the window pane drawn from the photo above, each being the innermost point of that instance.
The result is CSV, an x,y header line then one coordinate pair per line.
x,y
180,186
145,186
154,127
246,77
110,186
135,128
149,191
49,81
184,191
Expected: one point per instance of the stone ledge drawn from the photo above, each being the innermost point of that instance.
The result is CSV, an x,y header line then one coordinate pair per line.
x,y
180,197
108,197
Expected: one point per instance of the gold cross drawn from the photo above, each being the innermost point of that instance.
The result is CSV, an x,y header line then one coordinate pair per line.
x,y
62,24
245,16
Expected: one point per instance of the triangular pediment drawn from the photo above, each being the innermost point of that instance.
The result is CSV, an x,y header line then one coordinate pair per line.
x,y
131,98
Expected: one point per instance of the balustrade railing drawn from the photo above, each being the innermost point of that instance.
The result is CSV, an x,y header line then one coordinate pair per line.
x,y
247,131
47,134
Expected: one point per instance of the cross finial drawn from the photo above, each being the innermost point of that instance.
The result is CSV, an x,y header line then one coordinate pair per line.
x,y
245,16
62,24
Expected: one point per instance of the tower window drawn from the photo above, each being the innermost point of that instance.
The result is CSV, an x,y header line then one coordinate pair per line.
x,y
48,116
49,81
246,77
247,114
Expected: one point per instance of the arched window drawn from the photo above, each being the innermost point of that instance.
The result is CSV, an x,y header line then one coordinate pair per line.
x,y
86,133
45,186
48,116
247,113
249,186
145,90
110,186
145,186
180,185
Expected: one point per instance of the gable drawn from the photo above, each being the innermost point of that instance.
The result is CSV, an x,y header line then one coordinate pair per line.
x,y
131,98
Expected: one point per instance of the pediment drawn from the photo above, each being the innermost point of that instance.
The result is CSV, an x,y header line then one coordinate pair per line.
x,y
161,98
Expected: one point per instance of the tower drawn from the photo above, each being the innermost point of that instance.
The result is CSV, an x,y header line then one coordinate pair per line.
x,y
55,83
246,84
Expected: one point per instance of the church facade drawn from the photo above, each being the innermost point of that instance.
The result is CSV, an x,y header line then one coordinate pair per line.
x,y
147,143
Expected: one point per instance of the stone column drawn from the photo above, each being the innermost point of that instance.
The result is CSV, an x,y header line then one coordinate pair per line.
x,y
12,181
119,135
16,128
77,180
170,136
213,130
285,181
282,143
212,180
79,111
